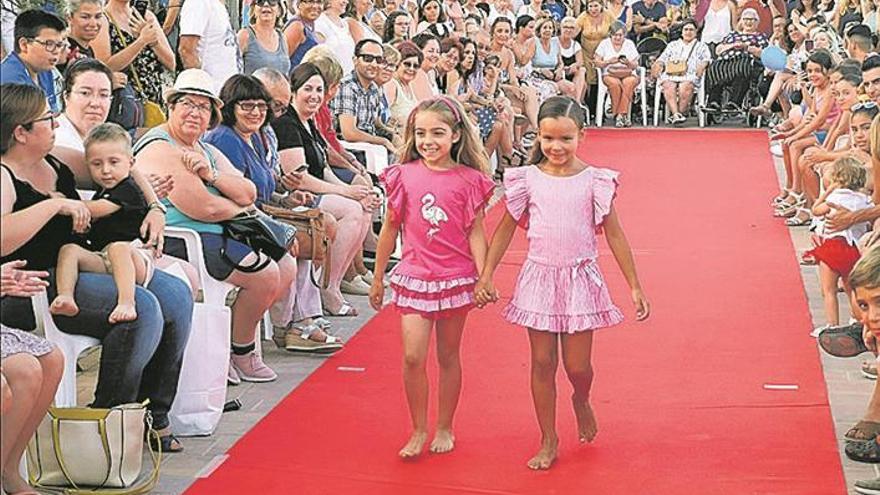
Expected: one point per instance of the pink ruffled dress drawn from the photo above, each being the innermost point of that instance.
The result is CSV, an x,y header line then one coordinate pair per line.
x,y
560,288
436,274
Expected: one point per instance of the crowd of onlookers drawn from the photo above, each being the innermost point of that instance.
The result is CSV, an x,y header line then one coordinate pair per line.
x,y
298,105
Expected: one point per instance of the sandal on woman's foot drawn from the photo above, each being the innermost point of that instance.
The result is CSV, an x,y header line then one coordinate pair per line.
x,y
345,310
780,199
760,110
863,451
310,338
801,218
168,443
863,431
785,210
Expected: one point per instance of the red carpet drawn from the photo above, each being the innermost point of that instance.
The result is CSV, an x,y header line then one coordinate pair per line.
x,y
680,399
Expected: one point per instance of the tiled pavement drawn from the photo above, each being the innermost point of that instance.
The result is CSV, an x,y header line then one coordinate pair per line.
x,y
848,392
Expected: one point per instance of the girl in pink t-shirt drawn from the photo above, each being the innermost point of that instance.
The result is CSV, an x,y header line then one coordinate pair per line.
x,y
560,295
437,197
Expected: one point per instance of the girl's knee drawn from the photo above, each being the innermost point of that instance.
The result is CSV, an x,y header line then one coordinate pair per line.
x,y
545,364
579,372
413,361
23,373
52,365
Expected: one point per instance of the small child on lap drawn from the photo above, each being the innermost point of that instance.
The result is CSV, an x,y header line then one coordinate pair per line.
x,y
118,209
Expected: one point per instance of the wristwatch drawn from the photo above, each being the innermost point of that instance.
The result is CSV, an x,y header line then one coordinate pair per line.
x,y
157,205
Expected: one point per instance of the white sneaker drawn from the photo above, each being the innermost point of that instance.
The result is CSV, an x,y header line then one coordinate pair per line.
x,y
818,330
776,148
355,286
232,377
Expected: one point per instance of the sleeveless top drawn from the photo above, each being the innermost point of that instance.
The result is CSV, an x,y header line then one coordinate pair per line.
x,y
337,38
256,57
716,25
146,67
174,217
307,43
545,60
569,55
41,252
403,104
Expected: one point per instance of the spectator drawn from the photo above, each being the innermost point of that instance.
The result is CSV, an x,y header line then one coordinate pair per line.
x,y
737,64
87,96
39,45
426,79
262,42
356,105
303,148
784,80
594,25
32,367
300,30
532,9
447,67
649,20
501,8
333,31
433,20
357,17
557,9
766,11
523,98
871,78
209,190
397,27
618,58
455,15
859,42
547,61
573,58
679,87
869,15
84,23
621,10
208,42
139,359
133,42
399,91
718,21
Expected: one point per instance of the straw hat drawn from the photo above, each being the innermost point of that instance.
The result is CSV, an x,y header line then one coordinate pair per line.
x,y
196,82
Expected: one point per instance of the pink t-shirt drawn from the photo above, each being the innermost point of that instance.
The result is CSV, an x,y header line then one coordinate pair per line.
x,y
437,210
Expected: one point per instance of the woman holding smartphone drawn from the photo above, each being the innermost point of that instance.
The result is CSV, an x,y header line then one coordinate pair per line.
x,y
132,41
618,58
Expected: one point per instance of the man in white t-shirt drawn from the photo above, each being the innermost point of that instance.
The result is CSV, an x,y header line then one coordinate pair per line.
x,y
207,40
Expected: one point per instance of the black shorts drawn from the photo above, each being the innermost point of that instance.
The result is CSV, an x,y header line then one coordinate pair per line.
x,y
218,266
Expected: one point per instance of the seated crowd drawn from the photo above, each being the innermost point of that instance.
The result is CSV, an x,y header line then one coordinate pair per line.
x,y
177,122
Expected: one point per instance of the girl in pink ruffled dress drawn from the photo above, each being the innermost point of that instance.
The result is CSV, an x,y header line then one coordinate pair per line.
x,y
560,295
437,197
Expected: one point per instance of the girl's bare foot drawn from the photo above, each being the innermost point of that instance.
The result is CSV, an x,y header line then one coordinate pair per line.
x,y
545,457
444,441
586,420
415,445
123,312
64,306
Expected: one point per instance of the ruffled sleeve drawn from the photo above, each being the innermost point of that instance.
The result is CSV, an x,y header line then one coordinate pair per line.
x,y
394,190
480,193
604,189
516,194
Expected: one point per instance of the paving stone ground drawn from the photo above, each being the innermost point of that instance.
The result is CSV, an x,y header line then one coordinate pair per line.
x,y
848,391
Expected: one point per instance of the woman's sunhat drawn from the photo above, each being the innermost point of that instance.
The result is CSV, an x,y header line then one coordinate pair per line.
x,y
195,82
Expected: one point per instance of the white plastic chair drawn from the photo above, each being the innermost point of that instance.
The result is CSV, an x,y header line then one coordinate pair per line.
x,y
603,92
71,347
377,156
698,102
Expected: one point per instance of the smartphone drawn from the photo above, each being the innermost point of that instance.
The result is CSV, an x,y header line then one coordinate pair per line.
x,y
140,6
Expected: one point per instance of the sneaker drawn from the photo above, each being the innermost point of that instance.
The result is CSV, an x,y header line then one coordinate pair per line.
x,y
670,119
818,330
355,286
776,148
868,487
869,370
619,122
627,121
678,119
251,368
232,377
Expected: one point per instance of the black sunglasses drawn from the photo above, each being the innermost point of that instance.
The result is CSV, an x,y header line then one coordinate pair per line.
x,y
379,59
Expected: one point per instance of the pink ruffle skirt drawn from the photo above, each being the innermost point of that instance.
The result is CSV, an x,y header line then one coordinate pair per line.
x,y
561,299
432,299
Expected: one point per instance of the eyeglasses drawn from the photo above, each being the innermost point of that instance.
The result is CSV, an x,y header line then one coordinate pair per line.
x,y
312,1
753,19
51,46
390,66
366,57
51,118
190,106
865,105
249,106
411,65
88,95
265,2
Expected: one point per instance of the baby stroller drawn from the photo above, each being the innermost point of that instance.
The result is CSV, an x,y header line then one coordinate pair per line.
x,y
649,51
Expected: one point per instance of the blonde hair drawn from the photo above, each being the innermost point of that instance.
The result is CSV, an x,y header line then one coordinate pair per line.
x,y
849,172
280,15
545,20
327,63
468,150
866,273
391,54
108,132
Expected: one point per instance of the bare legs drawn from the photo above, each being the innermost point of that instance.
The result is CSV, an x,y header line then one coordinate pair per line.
x,y
33,382
353,224
678,96
416,334
576,355
622,92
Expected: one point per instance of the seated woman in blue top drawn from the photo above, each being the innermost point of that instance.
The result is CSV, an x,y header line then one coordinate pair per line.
x,y
547,61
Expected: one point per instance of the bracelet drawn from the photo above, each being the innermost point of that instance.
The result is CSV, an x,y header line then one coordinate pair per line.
x,y
155,205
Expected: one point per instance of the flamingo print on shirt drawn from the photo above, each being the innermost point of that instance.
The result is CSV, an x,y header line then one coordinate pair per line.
x,y
433,214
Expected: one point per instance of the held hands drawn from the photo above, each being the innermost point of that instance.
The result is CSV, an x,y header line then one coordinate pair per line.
x,y
147,31
485,292
14,281
643,308
377,292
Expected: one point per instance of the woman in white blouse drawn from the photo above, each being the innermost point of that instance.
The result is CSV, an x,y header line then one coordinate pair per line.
x,y
618,58
334,32
679,69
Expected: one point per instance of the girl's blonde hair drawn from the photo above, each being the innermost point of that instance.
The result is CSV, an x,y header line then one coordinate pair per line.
x,y
468,150
849,172
866,273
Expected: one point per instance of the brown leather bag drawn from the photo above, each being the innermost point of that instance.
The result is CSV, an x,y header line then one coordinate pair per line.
x,y
311,235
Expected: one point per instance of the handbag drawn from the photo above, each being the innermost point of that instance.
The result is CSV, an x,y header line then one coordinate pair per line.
x,y
78,447
262,234
153,113
125,109
311,234
680,67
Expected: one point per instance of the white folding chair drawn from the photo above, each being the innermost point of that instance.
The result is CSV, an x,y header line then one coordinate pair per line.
x,y
377,156
603,93
700,100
